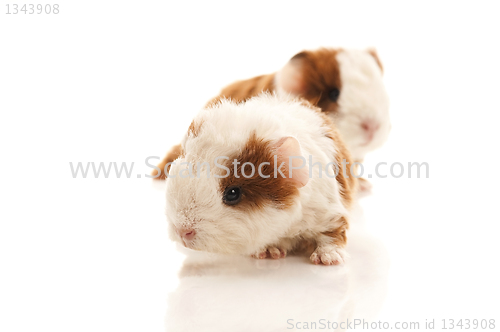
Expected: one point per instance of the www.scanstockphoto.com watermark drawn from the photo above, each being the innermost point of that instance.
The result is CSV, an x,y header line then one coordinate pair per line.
x,y
248,170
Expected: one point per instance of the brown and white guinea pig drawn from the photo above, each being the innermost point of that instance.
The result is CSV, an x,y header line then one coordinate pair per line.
x,y
215,204
346,84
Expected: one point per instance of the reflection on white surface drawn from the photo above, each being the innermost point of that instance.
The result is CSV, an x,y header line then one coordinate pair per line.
x,y
236,293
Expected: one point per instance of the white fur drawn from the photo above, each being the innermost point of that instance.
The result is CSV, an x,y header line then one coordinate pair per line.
x,y
196,203
362,98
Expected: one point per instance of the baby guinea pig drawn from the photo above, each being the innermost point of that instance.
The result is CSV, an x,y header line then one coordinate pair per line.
x,y
218,202
346,84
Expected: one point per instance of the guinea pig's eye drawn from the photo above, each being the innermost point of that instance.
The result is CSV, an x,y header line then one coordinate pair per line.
x,y
232,195
334,94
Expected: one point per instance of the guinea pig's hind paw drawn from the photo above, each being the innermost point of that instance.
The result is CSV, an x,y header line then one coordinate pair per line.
x,y
271,252
329,255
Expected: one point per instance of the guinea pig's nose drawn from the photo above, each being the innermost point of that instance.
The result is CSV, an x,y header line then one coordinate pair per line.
x,y
370,127
187,233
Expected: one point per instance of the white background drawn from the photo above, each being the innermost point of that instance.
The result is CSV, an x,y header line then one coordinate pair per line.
x,y
120,80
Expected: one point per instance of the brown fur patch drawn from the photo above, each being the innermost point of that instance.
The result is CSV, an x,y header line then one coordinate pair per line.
x,y
174,153
320,74
194,128
245,89
258,191
347,182
338,235
374,54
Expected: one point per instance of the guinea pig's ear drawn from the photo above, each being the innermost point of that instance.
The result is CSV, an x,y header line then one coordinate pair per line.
x,y
285,148
290,79
374,54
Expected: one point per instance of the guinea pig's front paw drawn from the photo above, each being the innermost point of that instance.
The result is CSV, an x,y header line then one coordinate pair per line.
x,y
155,172
329,255
365,186
270,252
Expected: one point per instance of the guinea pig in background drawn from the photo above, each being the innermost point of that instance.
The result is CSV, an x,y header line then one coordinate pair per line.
x,y
217,205
346,84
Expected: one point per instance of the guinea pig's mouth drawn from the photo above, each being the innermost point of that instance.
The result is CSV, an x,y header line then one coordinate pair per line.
x,y
187,236
190,244
366,143
187,244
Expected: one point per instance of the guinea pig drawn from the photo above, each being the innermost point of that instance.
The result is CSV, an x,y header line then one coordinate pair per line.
x,y
346,84
238,187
